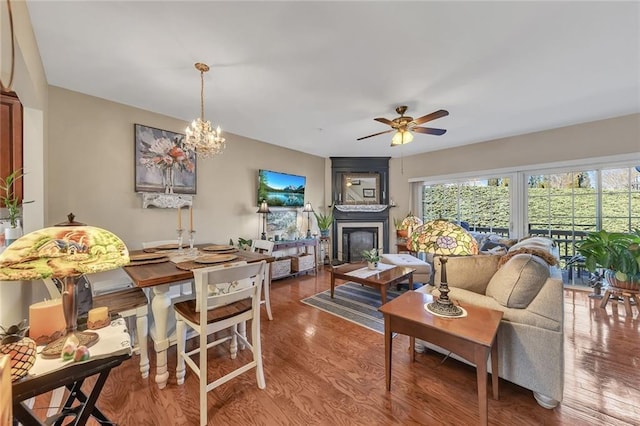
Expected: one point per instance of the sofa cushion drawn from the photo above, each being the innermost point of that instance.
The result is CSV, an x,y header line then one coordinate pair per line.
x,y
518,281
469,272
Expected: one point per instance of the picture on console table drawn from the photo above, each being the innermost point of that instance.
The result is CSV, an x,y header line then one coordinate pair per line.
x,y
369,193
283,223
162,162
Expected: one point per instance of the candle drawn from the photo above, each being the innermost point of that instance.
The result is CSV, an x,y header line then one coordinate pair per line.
x,y
179,217
191,218
46,321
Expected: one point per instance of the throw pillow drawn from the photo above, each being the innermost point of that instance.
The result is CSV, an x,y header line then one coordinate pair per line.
x,y
519,280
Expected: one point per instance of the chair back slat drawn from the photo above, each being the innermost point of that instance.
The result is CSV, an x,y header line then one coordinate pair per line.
x,y
262,246
225,284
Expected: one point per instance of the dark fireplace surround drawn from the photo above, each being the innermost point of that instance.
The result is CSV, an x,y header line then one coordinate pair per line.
x,y
358,229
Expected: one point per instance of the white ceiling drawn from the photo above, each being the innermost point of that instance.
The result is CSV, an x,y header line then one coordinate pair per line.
x,y
311,76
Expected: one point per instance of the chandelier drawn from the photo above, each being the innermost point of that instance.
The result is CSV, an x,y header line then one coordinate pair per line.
x,y
201,138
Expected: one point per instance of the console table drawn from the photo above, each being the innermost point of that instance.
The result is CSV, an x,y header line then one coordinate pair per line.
x,y
302,246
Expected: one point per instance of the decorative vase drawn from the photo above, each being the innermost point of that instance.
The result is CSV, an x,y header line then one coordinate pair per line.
x,y
612,281
402,233
372,265
168,180
22,351
324,232
12,234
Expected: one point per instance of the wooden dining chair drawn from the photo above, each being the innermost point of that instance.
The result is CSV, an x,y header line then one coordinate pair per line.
x,y
265,247
232,298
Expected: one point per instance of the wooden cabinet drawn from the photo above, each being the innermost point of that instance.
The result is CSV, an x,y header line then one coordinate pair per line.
x,y
11,137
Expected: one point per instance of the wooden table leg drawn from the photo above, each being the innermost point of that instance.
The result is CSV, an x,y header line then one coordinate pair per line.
x,y
412,348
626,298
411,281
495,369
333,283
383,293
388,342
481,371
605,299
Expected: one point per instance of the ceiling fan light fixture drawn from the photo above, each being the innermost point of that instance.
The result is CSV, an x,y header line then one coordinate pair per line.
x,y
401,137
200,136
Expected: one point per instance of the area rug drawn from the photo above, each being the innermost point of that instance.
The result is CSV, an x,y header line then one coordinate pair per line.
x,y
354,302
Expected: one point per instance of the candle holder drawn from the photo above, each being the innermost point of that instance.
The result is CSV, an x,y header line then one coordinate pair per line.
x,y
192,237
179,232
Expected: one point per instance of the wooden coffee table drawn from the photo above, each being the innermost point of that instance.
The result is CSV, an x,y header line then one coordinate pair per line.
x,y
380,280
473,337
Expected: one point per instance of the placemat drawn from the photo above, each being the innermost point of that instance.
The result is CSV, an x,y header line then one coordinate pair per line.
x,y
146,262
190,264
220,248
139,257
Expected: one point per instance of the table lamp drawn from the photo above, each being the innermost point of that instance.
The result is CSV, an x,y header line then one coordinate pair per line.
x,y
410,223
308,210
443,238
264,210
66,253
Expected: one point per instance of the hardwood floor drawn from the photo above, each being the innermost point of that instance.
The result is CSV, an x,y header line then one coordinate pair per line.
x,y
322,370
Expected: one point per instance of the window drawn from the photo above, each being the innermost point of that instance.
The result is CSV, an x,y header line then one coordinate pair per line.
x,y
484,204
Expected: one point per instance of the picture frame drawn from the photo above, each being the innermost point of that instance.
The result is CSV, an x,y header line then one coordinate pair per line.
x,y
369,193
162,163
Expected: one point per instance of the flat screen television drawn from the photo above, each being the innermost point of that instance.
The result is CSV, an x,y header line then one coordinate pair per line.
x,y
281,189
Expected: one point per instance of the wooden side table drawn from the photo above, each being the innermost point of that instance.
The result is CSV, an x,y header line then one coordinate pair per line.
x,y
72,378
113,347
626,295
473,337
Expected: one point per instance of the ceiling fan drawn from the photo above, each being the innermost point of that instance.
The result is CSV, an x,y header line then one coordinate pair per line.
x,y
404,125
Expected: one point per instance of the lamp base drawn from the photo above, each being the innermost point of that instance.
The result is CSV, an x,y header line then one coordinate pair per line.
x,y
444,309
54,349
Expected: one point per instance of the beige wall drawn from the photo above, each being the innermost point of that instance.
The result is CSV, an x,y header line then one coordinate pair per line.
x,y
91,173
615,136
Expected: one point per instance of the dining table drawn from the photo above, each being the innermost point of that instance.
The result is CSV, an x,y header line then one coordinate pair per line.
x,y
158,275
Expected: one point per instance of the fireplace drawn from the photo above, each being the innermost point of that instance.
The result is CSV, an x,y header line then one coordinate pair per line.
x,y
354,237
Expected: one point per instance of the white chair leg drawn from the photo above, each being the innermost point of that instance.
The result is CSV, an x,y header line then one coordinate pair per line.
x,y
257,351
267,291
181,337
142,331
203,376
242,330
233,348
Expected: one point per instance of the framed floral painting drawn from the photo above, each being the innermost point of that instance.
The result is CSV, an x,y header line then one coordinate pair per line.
x,y
162,162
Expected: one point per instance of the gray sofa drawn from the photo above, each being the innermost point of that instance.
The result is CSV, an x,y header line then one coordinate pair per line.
x,y
530,293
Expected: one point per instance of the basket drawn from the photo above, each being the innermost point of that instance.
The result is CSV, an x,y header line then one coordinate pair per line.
x,y
302,263
281,267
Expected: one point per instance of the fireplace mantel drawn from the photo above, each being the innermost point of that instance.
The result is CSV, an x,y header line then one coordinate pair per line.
x,y
374,208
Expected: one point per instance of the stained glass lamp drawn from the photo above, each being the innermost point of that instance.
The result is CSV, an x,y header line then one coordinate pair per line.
x,y
443,238
66,253
410,223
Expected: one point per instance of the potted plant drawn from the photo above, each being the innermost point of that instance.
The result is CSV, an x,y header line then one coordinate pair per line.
x,y
372,257
13,205
616,252
324,221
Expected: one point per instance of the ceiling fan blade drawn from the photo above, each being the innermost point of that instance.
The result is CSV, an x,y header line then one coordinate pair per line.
x,y
384,120
429,131
376,134
438,114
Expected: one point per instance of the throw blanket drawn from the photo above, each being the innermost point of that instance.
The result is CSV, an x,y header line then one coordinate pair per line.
x,y
542,254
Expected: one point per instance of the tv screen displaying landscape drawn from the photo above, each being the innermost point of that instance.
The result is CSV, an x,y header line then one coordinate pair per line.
x,y
281,189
